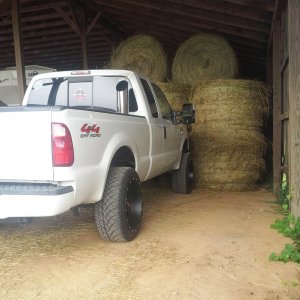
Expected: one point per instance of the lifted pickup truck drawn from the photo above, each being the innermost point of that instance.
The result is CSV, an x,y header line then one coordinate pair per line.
x,y
85,137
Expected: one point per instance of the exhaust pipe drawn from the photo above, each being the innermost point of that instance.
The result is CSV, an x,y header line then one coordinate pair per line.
x,y
122,97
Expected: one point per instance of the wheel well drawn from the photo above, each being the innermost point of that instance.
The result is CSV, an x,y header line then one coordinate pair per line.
x,y
123,158
185,148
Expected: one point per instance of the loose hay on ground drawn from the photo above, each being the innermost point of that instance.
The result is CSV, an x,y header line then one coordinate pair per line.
x,y
204,56
142,54
227,143
44,237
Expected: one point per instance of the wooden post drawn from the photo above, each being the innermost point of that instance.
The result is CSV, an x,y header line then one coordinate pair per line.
x,y
84,51
294,103
83,31
276,107
17,32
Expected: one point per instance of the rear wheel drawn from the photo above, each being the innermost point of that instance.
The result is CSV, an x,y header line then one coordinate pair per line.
x,y
183,178
119,214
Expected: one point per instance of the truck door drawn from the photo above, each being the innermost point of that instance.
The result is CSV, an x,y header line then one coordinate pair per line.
x,y
172,132
156,152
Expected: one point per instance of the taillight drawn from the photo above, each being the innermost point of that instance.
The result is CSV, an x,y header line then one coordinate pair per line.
x,y
62,146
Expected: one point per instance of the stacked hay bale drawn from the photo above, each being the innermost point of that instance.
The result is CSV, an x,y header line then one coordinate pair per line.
x,y
202,57
142,54
176,93
227,143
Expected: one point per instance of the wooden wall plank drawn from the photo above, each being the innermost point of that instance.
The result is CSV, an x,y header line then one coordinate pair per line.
x,y
159,13
179,10
276,107
229,9
294,94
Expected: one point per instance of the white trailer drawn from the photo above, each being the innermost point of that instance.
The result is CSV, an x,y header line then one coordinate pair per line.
x,y
9,93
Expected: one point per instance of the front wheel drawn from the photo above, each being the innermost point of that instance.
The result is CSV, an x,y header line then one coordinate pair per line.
x,y
119,214
183,178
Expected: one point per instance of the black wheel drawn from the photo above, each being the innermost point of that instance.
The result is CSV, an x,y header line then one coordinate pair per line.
x,y
183,178
119,214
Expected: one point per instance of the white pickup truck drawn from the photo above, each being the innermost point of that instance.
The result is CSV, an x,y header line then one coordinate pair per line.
x,y
84,137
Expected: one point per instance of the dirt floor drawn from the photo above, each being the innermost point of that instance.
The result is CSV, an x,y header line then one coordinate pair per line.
x,y
207,245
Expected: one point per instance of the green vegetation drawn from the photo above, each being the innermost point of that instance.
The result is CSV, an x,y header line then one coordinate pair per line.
x,y
289,226
284,196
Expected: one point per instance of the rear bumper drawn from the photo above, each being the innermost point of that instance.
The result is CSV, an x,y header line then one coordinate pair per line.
x,y
34,200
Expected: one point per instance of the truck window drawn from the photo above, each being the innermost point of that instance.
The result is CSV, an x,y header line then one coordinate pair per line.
x,y
40,92
163,103
150,98
105,94
87,91
80,94
132,103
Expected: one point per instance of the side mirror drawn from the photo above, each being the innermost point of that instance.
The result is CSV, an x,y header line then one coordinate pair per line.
x,y
188,113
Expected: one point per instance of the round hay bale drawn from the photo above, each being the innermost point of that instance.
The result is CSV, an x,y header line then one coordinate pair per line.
x,y
142,54
177,94
204,56
240,103
226,142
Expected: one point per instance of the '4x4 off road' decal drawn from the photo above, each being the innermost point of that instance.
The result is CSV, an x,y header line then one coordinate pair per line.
x,y
90,131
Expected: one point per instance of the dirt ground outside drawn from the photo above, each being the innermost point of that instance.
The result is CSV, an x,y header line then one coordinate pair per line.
x,y
206,245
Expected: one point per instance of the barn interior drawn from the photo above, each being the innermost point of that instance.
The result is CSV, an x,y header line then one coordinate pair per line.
x,y
79,34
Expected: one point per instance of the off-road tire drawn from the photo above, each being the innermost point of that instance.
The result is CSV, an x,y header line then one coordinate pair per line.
x,y
183,178
119,214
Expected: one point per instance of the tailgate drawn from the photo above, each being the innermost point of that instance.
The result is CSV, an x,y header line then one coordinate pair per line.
x,y
25,149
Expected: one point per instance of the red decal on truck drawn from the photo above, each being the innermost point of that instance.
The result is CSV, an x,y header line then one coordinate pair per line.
x,y
90,131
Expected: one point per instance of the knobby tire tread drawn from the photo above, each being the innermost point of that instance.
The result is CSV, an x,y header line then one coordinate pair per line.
x,y
108,211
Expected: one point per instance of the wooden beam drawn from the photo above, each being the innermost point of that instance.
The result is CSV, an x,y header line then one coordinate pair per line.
x,y
17,33
108,22
71,22
93,23
294,102
4,5
276,108
279,5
